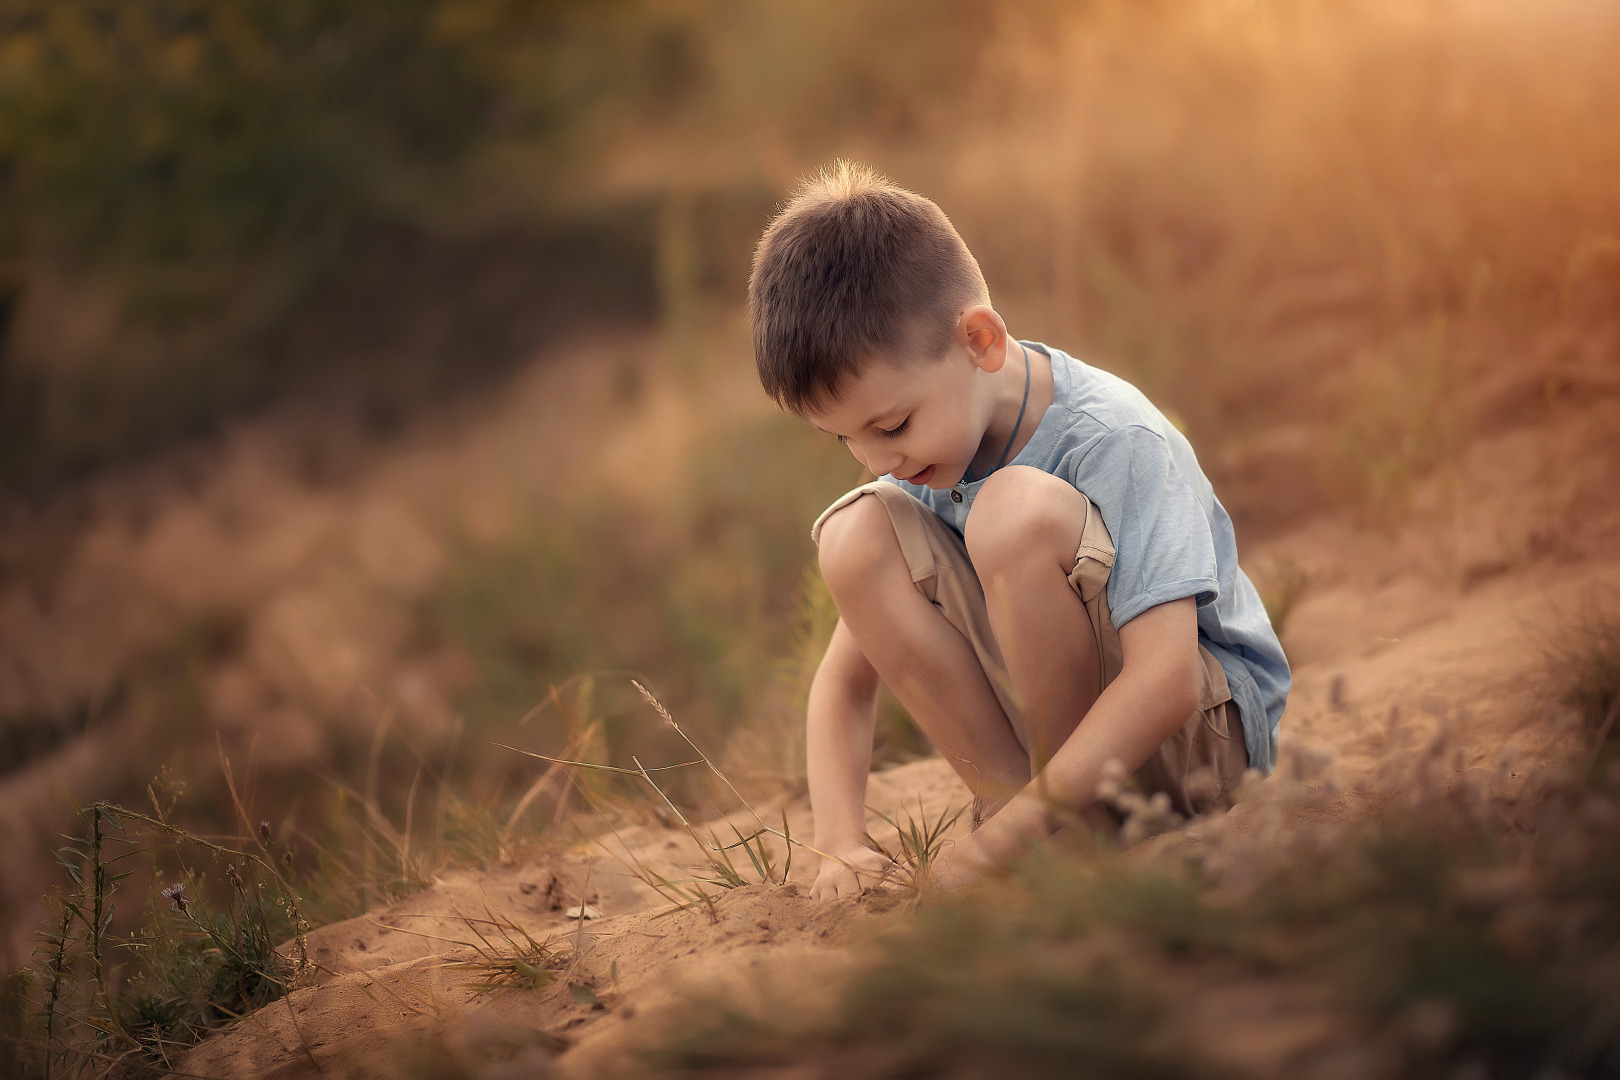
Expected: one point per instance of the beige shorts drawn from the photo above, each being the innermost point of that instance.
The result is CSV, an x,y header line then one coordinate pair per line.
x,y
1198,767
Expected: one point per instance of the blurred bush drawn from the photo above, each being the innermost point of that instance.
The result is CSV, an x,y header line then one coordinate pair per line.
x,y
209,202
694,595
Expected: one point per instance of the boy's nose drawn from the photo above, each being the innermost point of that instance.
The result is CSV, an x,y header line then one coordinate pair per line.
x,y
880,463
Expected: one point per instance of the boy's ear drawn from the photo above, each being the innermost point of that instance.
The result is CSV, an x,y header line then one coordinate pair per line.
x,y
980,328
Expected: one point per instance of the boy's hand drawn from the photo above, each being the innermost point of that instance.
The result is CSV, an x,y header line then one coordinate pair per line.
x,y
850,872
958,863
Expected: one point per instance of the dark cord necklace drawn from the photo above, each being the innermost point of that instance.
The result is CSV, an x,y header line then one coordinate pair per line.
x,y
1005,450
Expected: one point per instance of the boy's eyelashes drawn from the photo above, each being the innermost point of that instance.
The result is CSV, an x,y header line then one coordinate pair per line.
x,y
888,433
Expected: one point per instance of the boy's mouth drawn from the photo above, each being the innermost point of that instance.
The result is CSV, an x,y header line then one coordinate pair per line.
x,y
920,478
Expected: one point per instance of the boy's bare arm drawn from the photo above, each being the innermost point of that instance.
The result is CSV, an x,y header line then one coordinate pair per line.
x,y
1157,689
842,711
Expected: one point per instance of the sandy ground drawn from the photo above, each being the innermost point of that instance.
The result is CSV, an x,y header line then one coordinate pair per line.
x,y
1441,625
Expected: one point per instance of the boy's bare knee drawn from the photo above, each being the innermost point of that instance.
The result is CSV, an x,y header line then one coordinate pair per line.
x,y
856,542
1023,512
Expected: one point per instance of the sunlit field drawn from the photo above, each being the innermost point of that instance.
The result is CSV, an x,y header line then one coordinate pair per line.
x,y
376,403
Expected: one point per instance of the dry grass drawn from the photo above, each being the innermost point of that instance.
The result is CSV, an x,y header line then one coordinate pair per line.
x,y
719,867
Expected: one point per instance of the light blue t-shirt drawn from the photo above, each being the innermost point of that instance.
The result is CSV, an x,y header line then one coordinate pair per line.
x,y
1171,534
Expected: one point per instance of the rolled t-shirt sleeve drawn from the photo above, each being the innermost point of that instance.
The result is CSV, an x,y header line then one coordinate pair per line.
x,y
1158,520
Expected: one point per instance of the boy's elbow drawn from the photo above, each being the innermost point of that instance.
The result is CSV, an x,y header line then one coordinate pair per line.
x,y
1183,686
1161,655
1174,690
1182,695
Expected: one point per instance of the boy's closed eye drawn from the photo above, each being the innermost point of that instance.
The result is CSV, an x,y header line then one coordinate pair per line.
x,y
888,433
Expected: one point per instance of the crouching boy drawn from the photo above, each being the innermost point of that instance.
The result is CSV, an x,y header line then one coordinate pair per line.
x,y
1042,574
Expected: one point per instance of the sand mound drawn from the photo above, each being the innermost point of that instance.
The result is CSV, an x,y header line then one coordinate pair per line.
x,y
408,973
1397,636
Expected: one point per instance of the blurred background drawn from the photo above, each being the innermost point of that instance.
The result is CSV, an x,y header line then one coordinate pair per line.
x,y
375,386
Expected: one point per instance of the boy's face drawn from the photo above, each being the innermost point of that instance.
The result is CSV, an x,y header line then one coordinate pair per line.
x,y
914,419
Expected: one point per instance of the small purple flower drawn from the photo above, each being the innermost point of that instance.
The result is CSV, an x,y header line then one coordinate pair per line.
x,y
235,876
264,831
177,893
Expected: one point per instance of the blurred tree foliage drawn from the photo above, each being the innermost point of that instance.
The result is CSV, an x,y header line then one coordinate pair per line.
x,y
175,129
205,202
206,168
208,203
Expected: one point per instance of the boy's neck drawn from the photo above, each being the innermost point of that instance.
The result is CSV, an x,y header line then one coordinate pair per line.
x,y
1007,394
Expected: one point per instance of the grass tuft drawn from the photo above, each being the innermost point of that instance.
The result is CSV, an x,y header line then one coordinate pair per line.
x,y
917,842
509,956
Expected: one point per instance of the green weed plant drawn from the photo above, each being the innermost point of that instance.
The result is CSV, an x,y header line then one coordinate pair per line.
x,y
205,955
918,841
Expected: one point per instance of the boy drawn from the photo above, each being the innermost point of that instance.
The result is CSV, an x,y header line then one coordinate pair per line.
x,y
1042,575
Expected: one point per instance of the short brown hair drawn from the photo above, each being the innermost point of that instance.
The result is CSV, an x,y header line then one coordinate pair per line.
x,y
853,265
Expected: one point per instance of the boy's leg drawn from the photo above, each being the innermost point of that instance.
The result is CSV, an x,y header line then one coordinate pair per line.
x,y
886,568
1206,754
1022,534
